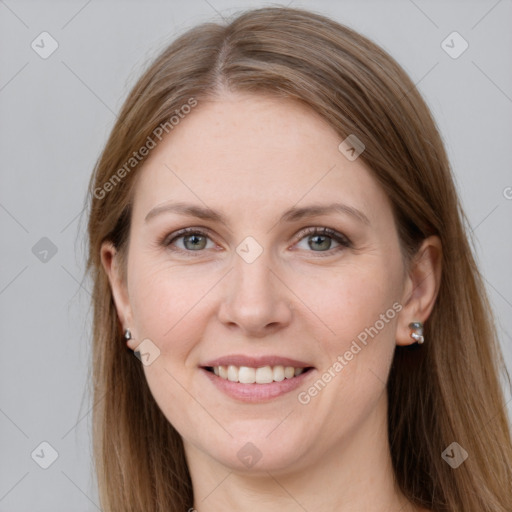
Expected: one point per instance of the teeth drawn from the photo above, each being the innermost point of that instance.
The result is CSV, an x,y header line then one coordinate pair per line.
x,y
263,375
223,371
279,373
289,372
246,375
233,373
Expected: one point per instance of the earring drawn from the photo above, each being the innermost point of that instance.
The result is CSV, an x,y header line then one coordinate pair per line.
x,y
417,333
127,334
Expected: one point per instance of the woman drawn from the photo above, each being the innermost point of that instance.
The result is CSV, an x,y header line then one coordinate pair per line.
x,y
275,233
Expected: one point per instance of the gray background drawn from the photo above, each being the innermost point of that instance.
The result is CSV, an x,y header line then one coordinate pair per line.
x,y
55,116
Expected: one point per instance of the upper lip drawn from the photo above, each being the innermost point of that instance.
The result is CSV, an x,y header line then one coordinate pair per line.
x,y
256,362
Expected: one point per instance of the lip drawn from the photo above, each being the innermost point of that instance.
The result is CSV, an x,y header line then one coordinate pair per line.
x,y
256,393
256,362
253,393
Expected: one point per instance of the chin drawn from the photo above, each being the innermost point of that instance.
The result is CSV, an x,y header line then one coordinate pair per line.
x,y
256,452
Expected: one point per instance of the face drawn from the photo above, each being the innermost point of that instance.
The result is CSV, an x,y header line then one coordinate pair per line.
x,y
265,284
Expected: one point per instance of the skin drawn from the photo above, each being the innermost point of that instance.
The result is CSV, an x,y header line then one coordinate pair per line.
x,y
252,157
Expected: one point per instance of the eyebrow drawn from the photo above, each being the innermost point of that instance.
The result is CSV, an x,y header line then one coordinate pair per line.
x,y
291,215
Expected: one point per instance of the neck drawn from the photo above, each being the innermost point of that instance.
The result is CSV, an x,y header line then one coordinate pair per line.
x,y
354,474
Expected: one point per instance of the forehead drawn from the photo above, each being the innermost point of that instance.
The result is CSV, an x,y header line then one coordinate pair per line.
x,y
246,153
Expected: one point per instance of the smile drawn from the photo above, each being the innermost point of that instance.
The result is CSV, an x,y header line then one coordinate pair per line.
x,y
262,375
256,384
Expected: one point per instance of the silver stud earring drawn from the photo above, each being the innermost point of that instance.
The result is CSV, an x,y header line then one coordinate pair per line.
x,y
127,334
417,333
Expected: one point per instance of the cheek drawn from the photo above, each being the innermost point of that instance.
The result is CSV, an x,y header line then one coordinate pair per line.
x,y
359,308
358,311
168,309
353,304
161,293
166,303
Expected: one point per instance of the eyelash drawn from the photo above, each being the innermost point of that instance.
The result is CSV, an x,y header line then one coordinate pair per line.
x,y
344,242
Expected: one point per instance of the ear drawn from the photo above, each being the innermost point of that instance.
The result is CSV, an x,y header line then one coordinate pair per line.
x,y
421,288
110,260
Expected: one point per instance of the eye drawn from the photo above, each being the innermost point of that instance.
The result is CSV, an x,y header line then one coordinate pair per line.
x,y
322,238
191,240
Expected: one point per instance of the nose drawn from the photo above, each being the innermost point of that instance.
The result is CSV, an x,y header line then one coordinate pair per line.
x,y
255,299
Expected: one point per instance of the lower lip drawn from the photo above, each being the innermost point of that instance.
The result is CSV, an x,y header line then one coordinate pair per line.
x,y
256,392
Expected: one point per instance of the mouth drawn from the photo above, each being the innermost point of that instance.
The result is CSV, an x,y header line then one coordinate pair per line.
x,y
256,379
260,375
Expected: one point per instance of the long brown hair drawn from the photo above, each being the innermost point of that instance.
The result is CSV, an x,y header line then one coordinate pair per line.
x,y
446,390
